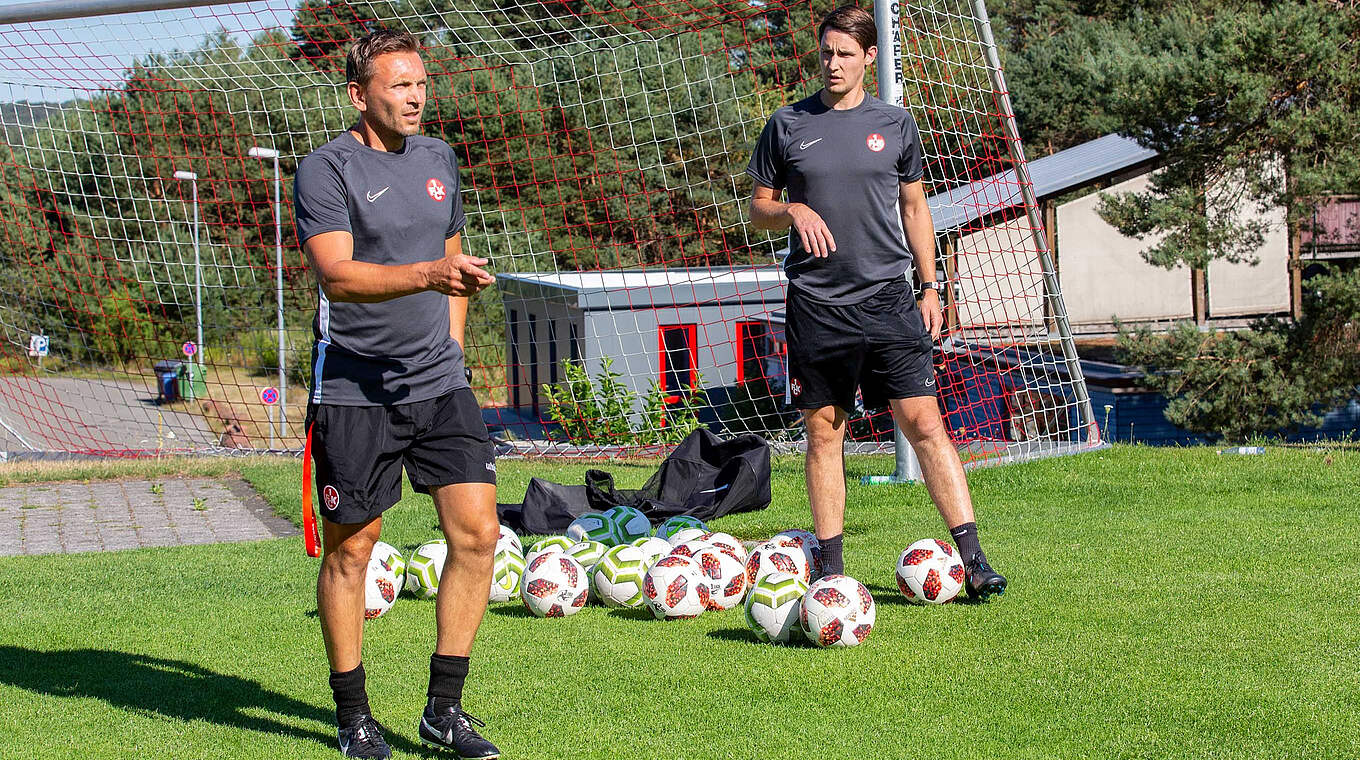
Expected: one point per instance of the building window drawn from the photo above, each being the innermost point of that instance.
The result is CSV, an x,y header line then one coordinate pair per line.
x,y
679,360
552,351
514,358
533,361
575,347
755,346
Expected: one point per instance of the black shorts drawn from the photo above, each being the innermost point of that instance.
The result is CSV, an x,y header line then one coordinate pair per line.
x,y
359,452
879,345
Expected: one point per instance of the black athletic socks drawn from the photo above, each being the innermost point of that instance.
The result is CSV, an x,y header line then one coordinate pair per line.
x,y
966,538
833,561
351,700
447,674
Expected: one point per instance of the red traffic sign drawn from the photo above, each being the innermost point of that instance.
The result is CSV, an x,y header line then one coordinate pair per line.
x,y
189,348
269,396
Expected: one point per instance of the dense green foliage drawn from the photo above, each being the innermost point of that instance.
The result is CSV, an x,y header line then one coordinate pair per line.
x,y
1272,378
1144,620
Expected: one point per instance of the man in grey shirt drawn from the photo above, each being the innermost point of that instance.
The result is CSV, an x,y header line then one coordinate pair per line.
x,y
380,219
847,160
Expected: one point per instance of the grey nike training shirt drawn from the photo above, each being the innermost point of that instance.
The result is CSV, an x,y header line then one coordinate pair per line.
x,y
400,207
847,166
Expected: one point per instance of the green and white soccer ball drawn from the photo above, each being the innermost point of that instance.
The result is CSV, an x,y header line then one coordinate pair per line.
x,y
510,537
547,545
838,611
629,524
592,526
424,568
773,607
587,553
554,585
381,586
506,570
618,577
390,556
671,525
652,549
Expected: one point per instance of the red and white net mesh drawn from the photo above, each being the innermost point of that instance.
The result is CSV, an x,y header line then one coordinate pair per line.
x,y
602,150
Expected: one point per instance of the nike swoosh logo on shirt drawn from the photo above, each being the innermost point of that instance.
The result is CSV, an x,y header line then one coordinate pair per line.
x,y
375,196
806,145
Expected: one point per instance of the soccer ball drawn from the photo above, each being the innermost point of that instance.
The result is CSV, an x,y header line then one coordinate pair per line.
x,y
618,577
675,587
508,536
554,585
629,524
424,568
592,526
838,611
652,549
548,545
771,557
388,555
506,570
728,544
930,572
673,524
691,548
686,534
380,589
773,607
807,541
587,553
726,577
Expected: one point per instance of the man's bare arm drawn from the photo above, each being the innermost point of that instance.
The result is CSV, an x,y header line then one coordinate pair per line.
x,y
769,213
331,255
458,305
920,228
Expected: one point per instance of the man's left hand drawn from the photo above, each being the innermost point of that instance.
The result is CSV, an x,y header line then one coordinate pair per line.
x,y
931,313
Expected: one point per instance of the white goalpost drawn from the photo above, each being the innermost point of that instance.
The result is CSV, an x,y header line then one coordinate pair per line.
x,y
602,149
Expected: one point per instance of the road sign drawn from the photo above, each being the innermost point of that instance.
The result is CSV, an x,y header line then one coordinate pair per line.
x,y
37,345
269,396
189,348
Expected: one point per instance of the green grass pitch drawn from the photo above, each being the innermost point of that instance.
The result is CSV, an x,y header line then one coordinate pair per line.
x,y
1163,604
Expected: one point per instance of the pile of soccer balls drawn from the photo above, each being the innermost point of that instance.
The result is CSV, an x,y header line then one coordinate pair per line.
x,y
682,571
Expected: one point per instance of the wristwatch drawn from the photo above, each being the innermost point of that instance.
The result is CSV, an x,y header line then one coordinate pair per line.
x,y
936,285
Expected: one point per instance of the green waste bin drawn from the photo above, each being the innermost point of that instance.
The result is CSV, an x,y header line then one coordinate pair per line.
x,y
193,383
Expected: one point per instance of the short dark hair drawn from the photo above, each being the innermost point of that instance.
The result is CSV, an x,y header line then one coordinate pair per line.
x,y
856,22
359,61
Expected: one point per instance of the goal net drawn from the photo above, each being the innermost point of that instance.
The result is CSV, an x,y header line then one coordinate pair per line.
x,y
153,297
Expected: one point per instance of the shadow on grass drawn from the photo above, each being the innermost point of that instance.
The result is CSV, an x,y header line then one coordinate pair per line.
x,y
746,636
509,609
633,613
890,595
169,688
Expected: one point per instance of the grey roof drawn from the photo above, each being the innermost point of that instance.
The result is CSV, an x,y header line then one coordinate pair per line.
x,y
1052,175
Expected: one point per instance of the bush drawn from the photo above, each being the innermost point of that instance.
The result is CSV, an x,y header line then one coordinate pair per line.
x,y
600,411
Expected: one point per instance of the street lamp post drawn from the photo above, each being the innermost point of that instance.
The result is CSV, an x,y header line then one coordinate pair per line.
x,y
192,177
269,153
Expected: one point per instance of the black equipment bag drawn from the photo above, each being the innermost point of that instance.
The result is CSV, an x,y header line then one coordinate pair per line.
x,y
704,476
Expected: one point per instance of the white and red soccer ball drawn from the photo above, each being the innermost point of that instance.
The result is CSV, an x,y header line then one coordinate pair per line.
x,y
725,576
837,611
774,557
809,544
675,587
930,572
554,585
381,587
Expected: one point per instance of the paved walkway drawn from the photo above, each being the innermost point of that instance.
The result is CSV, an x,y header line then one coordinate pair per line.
x,y
64,518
